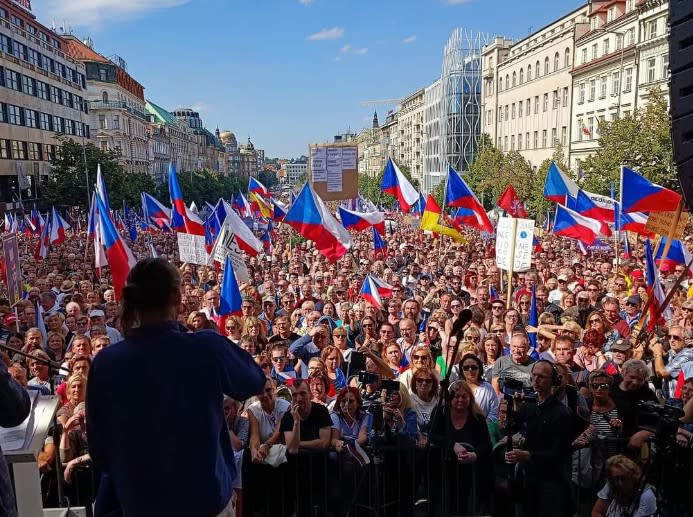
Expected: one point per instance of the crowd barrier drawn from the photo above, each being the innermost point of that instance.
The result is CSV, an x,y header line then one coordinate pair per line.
x,y
411,482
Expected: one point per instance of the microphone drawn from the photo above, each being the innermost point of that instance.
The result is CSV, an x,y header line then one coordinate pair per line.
x,y
462,320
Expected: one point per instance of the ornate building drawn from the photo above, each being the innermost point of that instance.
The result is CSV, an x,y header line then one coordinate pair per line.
x,y
233,155
211,153
170,140
248,159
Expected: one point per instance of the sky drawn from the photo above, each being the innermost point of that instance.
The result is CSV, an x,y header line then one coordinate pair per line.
x,y
287,73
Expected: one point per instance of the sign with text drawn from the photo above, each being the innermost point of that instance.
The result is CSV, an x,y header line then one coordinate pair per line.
x,y
524,243
192,249
13,268
661,223
227,246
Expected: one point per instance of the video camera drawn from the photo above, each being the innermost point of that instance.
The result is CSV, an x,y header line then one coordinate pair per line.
x,y
517,390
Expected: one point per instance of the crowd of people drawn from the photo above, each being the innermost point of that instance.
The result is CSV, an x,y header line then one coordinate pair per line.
x,y
495,416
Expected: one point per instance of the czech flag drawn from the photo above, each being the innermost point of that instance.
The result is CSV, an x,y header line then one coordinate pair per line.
x,y
384,289
183,220
533,321
430,221
230,296
369,292
459,194
362,220
57,231
36,219
255,186
101,188
511,203
241,204
41,251
418,207
654,290
92,219
569,223
278,211
155,211
310,217
397,185
244,236
379,245
120,258
678,255
641,195
583,205
634,222
558,185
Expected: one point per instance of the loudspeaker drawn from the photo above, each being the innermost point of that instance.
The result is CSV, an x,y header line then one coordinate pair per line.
x,y
681,66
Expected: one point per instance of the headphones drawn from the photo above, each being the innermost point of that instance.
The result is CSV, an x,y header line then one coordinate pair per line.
x,y
555,374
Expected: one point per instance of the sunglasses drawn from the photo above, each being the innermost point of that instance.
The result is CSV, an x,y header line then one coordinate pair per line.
x,y
676,338
424,381
595,321
600,386
280,358
419,357
470,368
339,335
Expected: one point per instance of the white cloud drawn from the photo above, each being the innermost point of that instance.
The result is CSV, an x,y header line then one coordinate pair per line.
x,y
97,12
409,39
200,107
346,48
349,49
360,51
325,34
456,2
305,2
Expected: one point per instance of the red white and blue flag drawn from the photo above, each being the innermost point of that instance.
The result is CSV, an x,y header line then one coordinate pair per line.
x,y
254,185
369,292
379,245
558,185
459,194
230,296
418,208
678,255
569,223
120,258
244,236
278,211
634,222
183,220
584,205
153,210
311,218
638,194
397,185
654,290
384,289
357,221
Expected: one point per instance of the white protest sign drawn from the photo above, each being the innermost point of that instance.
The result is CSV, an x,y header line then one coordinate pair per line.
x,y
524,240
192,249
226,245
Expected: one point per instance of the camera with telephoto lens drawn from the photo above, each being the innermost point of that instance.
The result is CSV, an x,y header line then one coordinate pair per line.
x,y
662,421
517,390
367,377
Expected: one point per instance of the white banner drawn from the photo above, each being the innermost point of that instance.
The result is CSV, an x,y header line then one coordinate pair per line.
x,y
226,245
192,249
524,243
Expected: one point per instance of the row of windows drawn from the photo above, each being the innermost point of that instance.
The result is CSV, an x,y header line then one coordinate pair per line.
x,y
533,72
524,108
16,20
31,56
513,143
19,150
19,116
593,52
36,88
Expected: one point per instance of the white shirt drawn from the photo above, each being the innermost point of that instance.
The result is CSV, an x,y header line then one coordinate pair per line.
x,y
268,421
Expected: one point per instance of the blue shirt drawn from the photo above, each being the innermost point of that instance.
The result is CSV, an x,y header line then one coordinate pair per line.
x,y
155,420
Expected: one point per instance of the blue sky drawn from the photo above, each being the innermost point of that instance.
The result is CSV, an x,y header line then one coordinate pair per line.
x,y
287,72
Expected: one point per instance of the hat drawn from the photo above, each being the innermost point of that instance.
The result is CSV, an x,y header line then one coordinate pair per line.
x,y
269,299
622,345
583,295
10,319
97,313
402,246
635,300
67,286
636,273
562,278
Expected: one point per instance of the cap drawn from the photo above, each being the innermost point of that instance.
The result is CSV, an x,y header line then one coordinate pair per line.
x,y
635,300
10,319
636,273
583,295
622,345
96,313
562,278
269,299
67,286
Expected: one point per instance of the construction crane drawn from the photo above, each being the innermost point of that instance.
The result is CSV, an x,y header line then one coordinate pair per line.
x,y
380,102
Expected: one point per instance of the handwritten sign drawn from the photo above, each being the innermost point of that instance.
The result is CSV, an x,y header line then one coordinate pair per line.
x,y
661,223
227,246
192,249
524,243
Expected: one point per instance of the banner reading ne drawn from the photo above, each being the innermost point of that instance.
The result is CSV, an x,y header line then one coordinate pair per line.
x,y
192,249
524,240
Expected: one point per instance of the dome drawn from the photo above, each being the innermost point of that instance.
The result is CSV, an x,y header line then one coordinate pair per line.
x,y
228,137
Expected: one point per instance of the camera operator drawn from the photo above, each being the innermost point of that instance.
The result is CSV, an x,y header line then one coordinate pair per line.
x,y
545,452
681,351
399,415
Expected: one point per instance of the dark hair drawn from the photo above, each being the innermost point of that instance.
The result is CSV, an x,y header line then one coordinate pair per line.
x,y
344,392
149,287
475,358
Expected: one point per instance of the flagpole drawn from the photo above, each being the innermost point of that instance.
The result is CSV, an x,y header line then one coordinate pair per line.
x,y
513,238
672,231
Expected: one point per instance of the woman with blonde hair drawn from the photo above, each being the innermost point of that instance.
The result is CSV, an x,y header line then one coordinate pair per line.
x,y
76,392
625,491
399,414
252,326
333,360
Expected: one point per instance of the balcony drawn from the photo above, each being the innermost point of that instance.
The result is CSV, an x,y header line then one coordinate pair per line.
x,y
97,105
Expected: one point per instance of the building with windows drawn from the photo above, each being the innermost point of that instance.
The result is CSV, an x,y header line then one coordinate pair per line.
x,y
116,105
170,141
294,171
211,152
43,90
410,126
389,135
233,155
622,55
526,94
248,159
433,173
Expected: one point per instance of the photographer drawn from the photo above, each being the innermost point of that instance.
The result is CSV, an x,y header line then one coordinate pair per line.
x,y
632,389
545,452
680,352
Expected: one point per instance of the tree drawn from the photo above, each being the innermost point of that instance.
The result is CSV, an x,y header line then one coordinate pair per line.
x,y
482,175
67,184
268,178
205,185
370,187
641,141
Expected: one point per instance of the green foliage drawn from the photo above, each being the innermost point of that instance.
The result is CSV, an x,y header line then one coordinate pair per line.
x,y
205,185
537,205
641,141
67,185
268,178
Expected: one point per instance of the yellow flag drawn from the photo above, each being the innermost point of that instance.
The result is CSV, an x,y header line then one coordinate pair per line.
x,y
430,220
